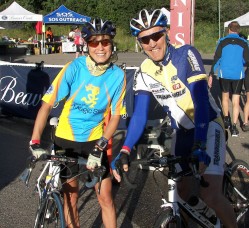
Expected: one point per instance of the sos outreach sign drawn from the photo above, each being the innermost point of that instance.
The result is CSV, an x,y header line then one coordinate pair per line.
x,y
182,22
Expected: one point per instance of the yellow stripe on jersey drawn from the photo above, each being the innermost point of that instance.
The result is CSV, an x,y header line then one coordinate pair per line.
x,y
197,78
51,97
64,129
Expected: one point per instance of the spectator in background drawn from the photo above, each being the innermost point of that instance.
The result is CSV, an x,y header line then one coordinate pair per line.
x,y
78,41
31,38
245,126
231,55
49,35
71,34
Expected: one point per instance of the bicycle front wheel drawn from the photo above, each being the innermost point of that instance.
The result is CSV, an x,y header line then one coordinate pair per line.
x,y
166,219
236,190
50,213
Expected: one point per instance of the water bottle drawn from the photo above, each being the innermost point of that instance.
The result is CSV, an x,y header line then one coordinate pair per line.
x,y
202,208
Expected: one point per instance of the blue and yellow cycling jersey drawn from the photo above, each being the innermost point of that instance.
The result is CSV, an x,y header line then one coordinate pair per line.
x,y
179,84
88,99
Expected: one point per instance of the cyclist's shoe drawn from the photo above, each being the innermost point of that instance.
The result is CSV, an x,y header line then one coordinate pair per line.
x,y
227,122
234,131
36,150
245,127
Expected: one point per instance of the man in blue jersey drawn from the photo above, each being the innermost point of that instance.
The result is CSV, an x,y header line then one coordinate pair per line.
x,y
176,78
231,55
92,88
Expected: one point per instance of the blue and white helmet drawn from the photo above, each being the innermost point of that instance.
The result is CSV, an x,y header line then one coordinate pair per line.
x,y
146,20
98,27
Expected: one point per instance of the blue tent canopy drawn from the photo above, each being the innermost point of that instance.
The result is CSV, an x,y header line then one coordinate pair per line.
x,y
65,16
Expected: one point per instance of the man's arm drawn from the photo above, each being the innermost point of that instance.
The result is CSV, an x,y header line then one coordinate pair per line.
x,y
217,56
138,120
246,55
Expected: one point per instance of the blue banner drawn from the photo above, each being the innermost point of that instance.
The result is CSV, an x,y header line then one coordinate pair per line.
x,y
65,16
22,87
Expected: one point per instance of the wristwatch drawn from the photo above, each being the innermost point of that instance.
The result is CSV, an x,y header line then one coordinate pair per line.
x,y
102,143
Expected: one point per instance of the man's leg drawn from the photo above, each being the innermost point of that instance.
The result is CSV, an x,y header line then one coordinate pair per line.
x,y
225,103
245,126
236,107
213,194
225,109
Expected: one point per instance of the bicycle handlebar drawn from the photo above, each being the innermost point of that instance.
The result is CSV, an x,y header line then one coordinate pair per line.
x,y
163,162
97,173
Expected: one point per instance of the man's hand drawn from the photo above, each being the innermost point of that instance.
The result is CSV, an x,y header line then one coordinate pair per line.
x,y
204,159
95,158
210,80
123,158
36,150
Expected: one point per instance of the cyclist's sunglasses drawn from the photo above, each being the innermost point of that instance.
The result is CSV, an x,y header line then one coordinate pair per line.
x,y
95,43
154,36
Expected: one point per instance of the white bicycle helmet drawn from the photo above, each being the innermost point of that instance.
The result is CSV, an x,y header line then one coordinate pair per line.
x,y
98,27
147,19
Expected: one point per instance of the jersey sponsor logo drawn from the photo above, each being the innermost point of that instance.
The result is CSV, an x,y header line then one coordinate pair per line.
x,y
193,61
217,148
50,89
164,97
91,99
176,94
176,86
155,85
84,109
174,78
154,91
124,116
179,93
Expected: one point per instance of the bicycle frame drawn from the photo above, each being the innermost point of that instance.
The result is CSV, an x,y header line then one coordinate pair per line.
x,y
176,203
52,178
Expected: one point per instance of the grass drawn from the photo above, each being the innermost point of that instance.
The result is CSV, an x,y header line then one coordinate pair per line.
x,y
206,36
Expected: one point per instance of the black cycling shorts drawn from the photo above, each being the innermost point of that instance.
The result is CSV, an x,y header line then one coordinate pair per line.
x,y
79,48
246,80
75,149
233,86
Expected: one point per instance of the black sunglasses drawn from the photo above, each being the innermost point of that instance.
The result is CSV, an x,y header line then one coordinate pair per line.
x,y
95,43
154,36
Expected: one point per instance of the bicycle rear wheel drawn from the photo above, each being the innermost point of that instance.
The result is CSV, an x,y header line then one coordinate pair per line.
x,y
236,190
166,219
50,213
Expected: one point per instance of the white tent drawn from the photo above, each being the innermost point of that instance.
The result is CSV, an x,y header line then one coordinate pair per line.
x,y
242,20
15,12
167,13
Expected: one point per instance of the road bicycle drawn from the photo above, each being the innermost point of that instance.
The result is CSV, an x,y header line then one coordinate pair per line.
x,y
49,187
235,188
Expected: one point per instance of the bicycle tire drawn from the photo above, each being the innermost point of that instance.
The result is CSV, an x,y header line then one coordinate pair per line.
x,y
237,176
167,219
50,213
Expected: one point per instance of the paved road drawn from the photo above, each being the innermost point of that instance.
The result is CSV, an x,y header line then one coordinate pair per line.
x,y
131,59
134,208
